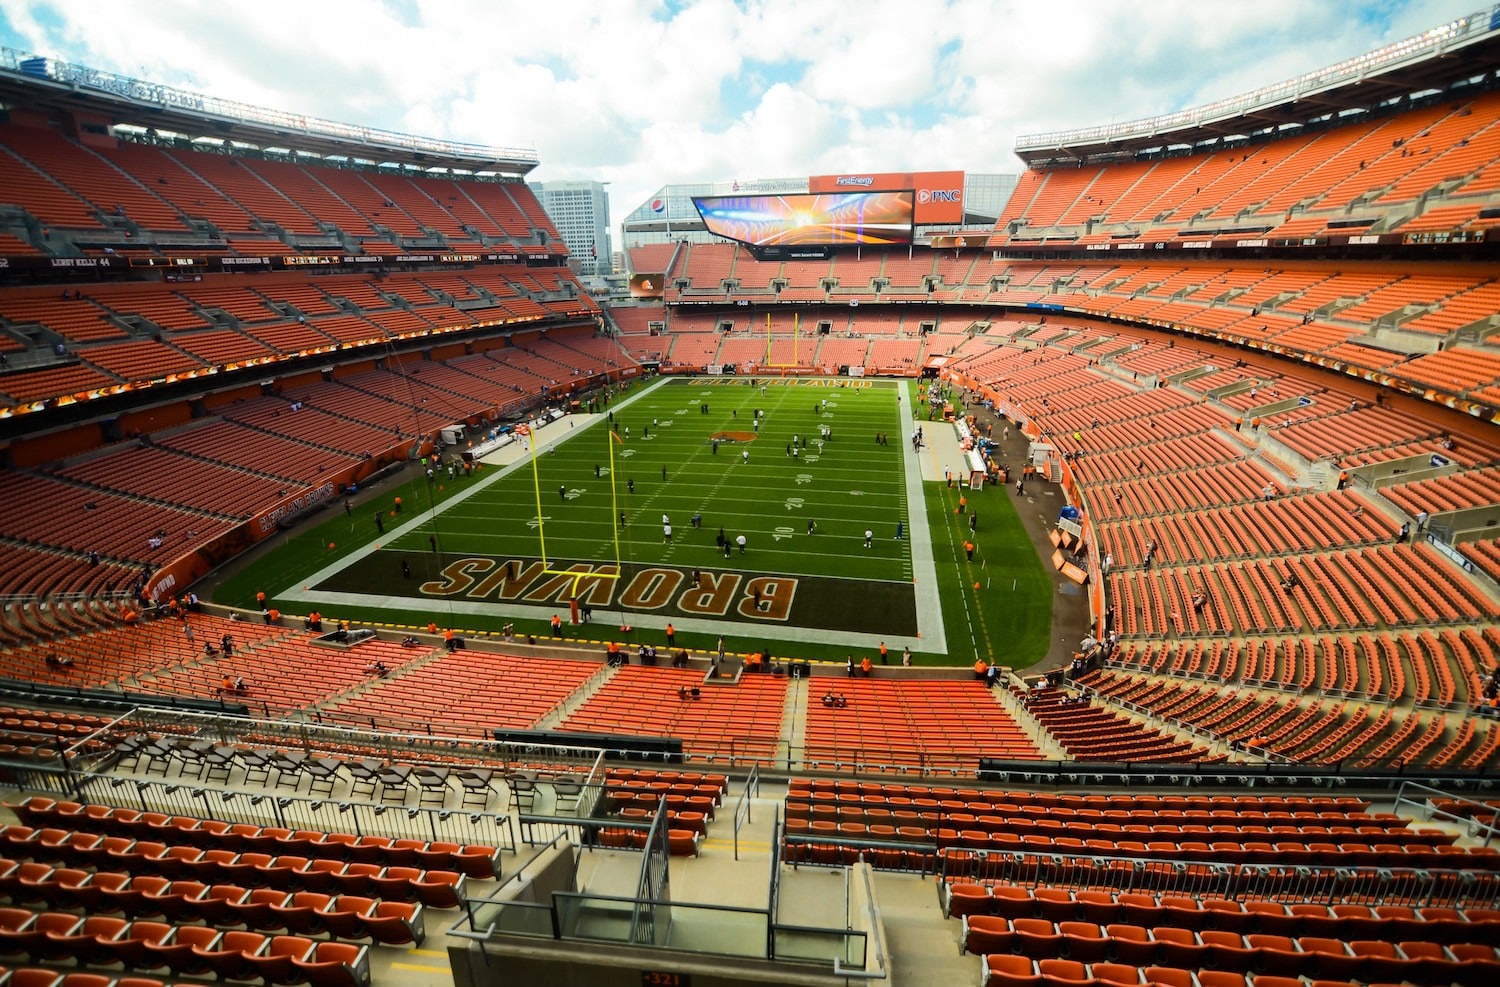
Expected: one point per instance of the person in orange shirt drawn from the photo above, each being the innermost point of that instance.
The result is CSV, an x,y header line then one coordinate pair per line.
x,y
556,626
671,635
980,669
865,666
449,640
432,627
883,653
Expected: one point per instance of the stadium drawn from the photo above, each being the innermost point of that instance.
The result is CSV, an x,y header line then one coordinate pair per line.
x,y
1102,595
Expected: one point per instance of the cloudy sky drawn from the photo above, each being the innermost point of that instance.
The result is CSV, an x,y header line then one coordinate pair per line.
x,y
641,93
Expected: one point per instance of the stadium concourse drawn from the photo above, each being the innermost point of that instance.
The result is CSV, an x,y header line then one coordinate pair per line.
x,y
1256,361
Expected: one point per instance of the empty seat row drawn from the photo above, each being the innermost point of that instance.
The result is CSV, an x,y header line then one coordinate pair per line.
x,y
1060,817
819,788
1418,961
344,917
1338,921
1241,842
134,893
837,852
178,860
289,871
39,977
1009,970
635,787
680,842
624,776
475,860
184,950
262,909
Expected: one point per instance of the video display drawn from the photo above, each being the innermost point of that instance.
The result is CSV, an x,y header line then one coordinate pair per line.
x,y
646,285
825,219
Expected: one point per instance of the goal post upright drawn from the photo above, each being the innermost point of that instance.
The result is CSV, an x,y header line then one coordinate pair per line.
x,y
541,523
771,342
536,478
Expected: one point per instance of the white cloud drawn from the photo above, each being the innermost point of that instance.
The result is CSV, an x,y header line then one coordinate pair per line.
x,y
641,93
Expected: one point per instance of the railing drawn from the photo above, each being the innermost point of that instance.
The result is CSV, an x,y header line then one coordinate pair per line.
x,y
729,931
890,761
232,805
298,733
877,970
696,929
157,95
742,804
494,915
1420,800
773,882
803,851
653,888
1414,48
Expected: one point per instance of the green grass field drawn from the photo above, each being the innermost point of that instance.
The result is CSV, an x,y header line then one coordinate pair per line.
x,y
475,556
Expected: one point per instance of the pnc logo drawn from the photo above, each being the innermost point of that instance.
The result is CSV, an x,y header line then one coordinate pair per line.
x,y
927,195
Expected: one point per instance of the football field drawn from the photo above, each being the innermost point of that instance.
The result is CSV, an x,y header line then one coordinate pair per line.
x,y
573,520
793,469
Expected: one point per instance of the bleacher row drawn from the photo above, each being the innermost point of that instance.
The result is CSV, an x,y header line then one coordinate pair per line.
x,y
1037,953
137,331
690,800
933,725
1323,309
132,503
1382,171
897,723
904,827
1233,557
121,193
1092,733
200,897
145,351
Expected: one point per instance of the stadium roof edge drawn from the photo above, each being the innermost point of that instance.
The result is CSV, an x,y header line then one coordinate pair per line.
x,y
35,82
1430,61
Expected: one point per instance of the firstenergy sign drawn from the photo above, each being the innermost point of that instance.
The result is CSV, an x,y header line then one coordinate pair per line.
x,y
939,194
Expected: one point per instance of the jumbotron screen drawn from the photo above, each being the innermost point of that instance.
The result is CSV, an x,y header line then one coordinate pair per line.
x,y
811,219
